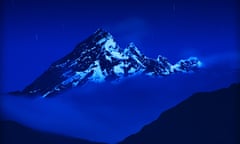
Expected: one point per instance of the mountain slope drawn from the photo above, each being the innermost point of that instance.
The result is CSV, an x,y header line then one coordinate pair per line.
x,y
13,133
99,58
204,118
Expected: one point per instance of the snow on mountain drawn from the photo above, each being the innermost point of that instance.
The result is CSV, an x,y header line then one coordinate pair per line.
x,y
99,58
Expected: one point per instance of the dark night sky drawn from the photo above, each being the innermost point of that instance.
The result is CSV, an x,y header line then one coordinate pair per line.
x,y
36,33
44,31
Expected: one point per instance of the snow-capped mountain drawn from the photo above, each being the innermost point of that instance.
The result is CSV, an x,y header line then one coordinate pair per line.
x,y
99,58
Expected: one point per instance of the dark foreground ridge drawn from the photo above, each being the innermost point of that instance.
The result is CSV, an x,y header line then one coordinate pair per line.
x,y
99,58
204,118
14,133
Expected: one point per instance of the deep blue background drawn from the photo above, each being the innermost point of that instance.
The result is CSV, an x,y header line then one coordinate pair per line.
x,y
37,33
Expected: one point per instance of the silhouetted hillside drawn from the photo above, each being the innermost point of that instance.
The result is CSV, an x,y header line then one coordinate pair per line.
x,y
14,133
204,118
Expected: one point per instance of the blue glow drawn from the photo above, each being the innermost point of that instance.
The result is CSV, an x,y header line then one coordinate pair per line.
x,y
104,108
36,33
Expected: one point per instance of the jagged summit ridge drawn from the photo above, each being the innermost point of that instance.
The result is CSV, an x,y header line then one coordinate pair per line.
x,y
100,58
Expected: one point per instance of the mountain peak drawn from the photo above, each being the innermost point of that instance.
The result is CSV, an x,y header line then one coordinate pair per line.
x,y
99,58
100,30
